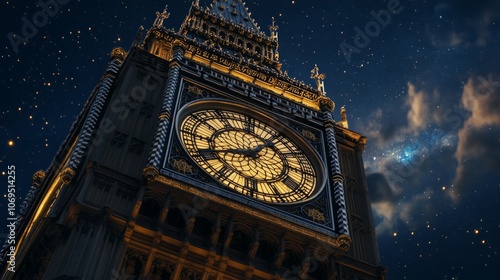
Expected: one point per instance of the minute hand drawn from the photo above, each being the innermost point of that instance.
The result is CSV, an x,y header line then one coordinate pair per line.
x,y
244,152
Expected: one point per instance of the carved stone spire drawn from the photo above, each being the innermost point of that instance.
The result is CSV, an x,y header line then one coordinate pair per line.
x,y
138,37
274,36
274,30
160,17
234,11
320,83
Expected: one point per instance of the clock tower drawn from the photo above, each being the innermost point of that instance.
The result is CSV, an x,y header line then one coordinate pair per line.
x,y
197,157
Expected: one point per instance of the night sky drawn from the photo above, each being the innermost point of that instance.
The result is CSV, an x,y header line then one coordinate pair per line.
x,y
423,86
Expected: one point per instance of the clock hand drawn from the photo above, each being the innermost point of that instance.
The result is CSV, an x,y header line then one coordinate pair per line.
x,y
232,151
255,151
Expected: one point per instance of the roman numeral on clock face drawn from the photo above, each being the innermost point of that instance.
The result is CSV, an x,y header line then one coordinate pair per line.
x,y
249,124
223,119
207,154
224,172
251,186
291,183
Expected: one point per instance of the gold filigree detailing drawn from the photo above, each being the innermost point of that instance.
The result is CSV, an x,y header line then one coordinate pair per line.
x,y
339,244
150,173
316,215
182,166
67,175
196,90
179,43
160,17
118,53
281,84
343,117
309,135
38,178
326,104
344,242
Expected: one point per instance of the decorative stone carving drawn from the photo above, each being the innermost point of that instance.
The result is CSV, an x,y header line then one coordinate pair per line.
x,y
118,53
316,215
194,89
136,146
309,135
182,166
326,104
357,223
119,139
150,173
351,183
38,178
67,175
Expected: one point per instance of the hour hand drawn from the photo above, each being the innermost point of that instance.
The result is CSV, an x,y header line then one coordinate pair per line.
x,y
255,151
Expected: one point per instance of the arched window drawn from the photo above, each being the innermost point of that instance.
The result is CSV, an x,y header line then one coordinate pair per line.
x,y
250,46
292,259
320,272
132,267
202,227
222,35
240,242
266,251
150,208
258,50
175,218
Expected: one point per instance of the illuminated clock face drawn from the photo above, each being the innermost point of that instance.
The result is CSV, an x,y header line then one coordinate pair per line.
x,y
249,152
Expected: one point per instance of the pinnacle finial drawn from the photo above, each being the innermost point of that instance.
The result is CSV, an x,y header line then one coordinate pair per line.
x,y
343,117
197,3
320,83
274,36
160,17
274,30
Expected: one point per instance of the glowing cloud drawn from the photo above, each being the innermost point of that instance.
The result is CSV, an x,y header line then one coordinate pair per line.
x,y
482,98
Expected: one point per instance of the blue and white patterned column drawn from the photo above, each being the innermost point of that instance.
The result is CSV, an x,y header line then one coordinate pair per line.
x,y
38,178
327,107
96,109
160,138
